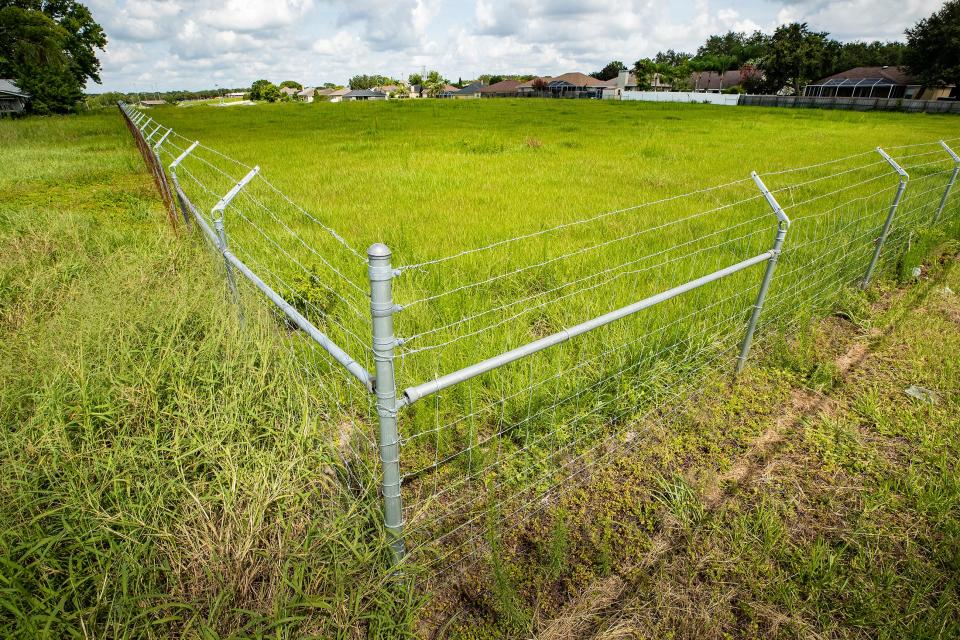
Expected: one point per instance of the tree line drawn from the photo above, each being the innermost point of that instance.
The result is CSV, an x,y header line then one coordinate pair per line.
x,y
49,47
794,55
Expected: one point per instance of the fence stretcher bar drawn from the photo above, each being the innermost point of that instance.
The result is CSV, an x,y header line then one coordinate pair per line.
x,y
412,394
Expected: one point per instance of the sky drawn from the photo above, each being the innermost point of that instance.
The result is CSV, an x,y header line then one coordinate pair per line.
x,y
158,45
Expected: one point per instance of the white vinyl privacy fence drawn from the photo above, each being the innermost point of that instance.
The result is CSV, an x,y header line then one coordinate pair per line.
x,y
477,385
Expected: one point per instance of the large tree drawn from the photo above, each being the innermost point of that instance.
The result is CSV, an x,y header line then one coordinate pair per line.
x,y
796,56
611,71
933,47
49,47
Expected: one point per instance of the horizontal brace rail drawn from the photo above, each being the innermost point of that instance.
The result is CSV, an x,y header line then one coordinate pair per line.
x,y
412,394
295,316
318,336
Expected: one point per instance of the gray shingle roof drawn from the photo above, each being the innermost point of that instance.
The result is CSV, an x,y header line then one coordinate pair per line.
x,y
9,86
364,93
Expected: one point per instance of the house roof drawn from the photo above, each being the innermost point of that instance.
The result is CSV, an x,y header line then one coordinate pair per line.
x,y
10,87
307,91
364,93
339,92
869,76
506,86
470,89
529,83
612,82
577,79
713,81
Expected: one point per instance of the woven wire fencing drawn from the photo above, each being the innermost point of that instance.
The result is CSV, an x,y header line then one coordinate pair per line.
x,y
471,389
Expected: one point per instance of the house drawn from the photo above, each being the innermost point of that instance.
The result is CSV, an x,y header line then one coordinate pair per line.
x,y
469,91
713,82
448,91
625,81
336,95
529,88
152,103
290,92
874,82
567,85
576,85
307,94
235,94
12,99
392,91
504,89
363,94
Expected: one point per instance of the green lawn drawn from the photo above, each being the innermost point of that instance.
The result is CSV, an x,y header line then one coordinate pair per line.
x,y
171,469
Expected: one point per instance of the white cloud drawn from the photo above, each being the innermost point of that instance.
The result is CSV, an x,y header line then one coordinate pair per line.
x,y
194,43
254,15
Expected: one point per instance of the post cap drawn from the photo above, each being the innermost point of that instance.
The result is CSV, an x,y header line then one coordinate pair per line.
x,y
378,250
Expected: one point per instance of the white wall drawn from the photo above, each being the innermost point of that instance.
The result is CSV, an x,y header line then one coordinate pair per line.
x,y
728,99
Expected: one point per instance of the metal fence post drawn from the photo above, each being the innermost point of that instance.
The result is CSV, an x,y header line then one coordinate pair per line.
x,y
904,176
953,178
385,387
783,224
222,238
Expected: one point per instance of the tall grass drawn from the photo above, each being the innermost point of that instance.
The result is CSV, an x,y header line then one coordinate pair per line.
x,y
438,181
166,471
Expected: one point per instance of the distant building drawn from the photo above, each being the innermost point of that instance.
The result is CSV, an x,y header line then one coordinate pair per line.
x,y
874,82
306,94
448,91
469,91
235,94
12,99
152,103
363,94
337,94
503,89
289,91
625,81
568,85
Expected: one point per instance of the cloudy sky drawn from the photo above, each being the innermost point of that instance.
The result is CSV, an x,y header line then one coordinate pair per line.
x,y
194,44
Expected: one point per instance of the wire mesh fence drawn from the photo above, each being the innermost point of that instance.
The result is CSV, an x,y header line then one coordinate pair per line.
x,y
491,379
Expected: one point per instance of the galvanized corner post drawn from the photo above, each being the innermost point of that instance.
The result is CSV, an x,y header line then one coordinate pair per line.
x,y
783,224
953,178
385,387
901,187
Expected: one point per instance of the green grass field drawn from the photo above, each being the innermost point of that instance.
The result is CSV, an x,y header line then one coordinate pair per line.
x,y
173,471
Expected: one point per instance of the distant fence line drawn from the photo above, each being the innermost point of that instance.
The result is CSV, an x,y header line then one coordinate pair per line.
x,y
725,99
853,104
810,102
646,308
